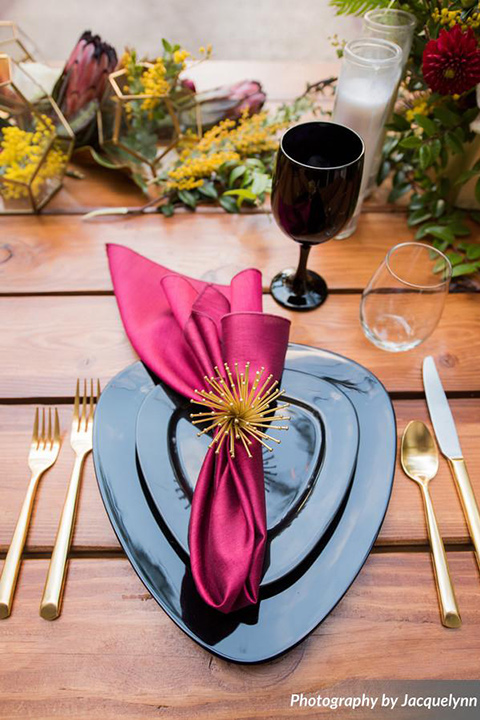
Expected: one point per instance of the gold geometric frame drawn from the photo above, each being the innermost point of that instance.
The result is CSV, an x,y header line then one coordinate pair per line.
x,y
10,104
10,35
120,99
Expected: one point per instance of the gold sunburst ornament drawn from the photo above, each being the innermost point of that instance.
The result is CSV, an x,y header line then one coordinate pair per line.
x,y
238,412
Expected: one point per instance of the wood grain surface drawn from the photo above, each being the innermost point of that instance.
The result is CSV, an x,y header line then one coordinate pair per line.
x,y
56,339
404,524
65,254
114,653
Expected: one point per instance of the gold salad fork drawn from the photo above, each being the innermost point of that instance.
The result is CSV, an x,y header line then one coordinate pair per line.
x,y
44,451
81,440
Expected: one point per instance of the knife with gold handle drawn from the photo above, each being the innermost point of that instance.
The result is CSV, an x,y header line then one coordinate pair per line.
x,y
447,438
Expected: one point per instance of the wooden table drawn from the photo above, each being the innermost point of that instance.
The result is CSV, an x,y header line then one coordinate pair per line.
x,y
113,652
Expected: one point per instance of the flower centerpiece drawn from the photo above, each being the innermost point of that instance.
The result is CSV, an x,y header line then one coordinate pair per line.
x,y
431,154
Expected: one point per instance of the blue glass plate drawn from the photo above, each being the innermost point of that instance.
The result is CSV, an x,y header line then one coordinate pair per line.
x,y
306,477
292,607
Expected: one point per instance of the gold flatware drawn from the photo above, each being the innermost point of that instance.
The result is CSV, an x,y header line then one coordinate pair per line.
x,y
447,438
44,450
419,457
81,439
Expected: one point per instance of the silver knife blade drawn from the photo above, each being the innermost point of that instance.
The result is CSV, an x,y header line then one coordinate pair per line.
x,y
440,413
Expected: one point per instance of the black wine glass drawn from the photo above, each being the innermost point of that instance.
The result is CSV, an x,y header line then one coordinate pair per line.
x,y
314,193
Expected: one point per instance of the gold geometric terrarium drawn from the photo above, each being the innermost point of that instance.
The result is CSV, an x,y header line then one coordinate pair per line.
x,y
137,126
15,43
36,142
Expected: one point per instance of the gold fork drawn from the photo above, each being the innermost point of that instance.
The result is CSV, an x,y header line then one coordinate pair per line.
x,y
44,450
81,439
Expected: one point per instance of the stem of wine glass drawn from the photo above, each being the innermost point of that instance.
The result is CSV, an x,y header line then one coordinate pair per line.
x,y
299,283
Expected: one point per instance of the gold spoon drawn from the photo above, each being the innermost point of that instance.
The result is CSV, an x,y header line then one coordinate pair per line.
x,y
419,458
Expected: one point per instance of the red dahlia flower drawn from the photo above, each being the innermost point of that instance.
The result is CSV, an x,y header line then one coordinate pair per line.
x,y
451,64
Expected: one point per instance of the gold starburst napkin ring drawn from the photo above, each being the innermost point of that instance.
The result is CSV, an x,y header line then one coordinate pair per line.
x,y
238,412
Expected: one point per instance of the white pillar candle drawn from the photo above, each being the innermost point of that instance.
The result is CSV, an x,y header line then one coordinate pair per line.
x,y
370,73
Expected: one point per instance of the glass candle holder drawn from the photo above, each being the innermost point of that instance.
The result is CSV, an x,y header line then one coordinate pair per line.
x,y
369,77
404,300
398,27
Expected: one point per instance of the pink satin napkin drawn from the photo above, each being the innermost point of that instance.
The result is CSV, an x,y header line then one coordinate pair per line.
x,y
181,329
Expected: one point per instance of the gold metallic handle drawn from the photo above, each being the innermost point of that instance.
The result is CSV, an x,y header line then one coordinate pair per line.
x,y
53,591
446,594
467,497
9,577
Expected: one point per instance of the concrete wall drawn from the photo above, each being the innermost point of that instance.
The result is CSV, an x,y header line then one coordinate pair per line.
x,y
237,29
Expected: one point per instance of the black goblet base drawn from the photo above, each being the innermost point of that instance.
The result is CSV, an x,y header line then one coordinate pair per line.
x,y
313,293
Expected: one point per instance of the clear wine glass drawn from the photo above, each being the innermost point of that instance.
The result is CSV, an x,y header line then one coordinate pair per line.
x,y
404,299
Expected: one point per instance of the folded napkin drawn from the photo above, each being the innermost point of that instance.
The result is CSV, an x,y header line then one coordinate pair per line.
x,y
181,329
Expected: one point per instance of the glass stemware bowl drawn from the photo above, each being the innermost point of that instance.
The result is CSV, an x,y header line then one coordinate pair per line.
x,y
314,193
404,299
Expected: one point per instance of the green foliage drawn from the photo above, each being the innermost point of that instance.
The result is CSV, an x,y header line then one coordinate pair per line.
x,y
357,7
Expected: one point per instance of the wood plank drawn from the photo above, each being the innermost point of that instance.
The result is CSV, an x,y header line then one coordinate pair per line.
x,y
46,342
455,343
56,254
114,653
404,524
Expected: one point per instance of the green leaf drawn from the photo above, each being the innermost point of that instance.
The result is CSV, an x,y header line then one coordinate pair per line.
x,y
435,149
473,251
228,203
458,227
427,124
418,216
166,45
475,217
255,163
208,190
399,122
439,231
455,258
464,269
241,194
398,191
261,183
477,190
454,143
424,156
446,116
187,198
412,141
235,174
466,176
167,209
439,208
383,172
101,160
441,245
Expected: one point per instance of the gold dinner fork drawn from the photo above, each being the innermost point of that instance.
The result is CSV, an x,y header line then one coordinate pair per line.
x,y
81,440
44,450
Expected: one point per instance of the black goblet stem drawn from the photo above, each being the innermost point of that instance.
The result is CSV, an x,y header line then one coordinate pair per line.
x,y
299,283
